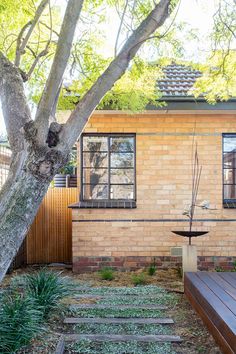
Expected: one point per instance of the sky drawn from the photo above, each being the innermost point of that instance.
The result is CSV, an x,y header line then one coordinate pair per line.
x,y
198,13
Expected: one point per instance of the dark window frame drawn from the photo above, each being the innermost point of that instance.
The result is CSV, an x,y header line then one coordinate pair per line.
x,y
109,136
227,202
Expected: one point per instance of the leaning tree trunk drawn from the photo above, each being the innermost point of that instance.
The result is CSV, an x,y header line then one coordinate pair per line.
x,y
22,207
24,200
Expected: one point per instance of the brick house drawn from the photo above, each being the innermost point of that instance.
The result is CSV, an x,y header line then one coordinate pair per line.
x,y
135,181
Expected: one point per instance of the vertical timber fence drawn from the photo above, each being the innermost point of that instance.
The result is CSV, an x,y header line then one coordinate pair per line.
x,y
49,239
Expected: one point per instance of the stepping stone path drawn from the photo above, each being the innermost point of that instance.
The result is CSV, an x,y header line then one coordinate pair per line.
x,y
129,310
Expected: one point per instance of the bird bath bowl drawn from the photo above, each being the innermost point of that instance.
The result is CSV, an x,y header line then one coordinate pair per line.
x,y
189,252
190,234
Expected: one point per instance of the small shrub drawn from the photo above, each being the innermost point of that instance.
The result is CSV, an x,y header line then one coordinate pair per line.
x,y
20,322
139,279
152,268
47,288
107,273
219,269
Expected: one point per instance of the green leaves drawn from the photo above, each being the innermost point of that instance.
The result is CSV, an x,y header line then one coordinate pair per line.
x,y
20,322
47,288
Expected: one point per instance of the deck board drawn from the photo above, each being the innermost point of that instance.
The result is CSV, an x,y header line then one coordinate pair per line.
x,y
213,295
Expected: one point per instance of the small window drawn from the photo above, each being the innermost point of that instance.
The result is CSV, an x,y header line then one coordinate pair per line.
x,y
108,167
229,170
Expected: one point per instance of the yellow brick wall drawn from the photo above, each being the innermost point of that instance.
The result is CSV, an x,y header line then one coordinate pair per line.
x,y
163,168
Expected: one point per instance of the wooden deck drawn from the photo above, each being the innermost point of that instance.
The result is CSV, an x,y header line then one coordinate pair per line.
x,y
213,296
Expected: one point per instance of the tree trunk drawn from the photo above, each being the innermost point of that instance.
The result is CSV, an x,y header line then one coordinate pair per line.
x,y
21,210
25,197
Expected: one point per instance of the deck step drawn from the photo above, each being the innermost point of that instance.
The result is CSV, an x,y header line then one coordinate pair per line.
x,y
79,320
117,307
122,338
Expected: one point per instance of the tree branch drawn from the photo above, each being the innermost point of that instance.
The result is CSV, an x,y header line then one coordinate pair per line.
x,y
120,27
22,42
59,64
43,53
79,117
14,104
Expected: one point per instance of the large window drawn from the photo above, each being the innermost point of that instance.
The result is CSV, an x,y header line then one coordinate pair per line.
x,y
229,168
108,167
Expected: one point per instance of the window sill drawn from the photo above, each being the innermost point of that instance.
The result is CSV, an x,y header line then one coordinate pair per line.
x,y
111,204
229,204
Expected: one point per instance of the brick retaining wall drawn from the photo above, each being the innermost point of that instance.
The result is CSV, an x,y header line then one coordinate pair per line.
x,y
91,264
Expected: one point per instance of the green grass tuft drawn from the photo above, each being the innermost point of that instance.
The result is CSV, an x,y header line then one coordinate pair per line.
x,y
139,279
107,273
47,288
20,322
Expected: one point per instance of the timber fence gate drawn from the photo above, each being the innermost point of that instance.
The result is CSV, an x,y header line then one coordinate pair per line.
x,y
49,239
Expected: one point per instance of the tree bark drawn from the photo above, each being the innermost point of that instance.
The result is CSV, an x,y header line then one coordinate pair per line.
x,y
21,210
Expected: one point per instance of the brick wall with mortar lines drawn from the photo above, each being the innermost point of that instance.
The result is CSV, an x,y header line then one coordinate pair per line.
x,y
163,177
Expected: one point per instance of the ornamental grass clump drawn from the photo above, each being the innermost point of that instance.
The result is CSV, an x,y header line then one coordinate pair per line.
x,y
107,273
152,268
19,322
139,279
47,289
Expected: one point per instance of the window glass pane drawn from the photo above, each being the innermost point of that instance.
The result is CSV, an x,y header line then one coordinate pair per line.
x,y
229,144
95,159
122,192
230,191
122,144
95,143
122,160
122,176
230,160
95,176
229,176
95,191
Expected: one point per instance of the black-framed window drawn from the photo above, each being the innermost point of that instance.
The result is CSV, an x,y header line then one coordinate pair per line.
x,y
229,168
108,167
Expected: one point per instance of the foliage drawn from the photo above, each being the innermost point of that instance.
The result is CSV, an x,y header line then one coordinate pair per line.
x,y
20,322
139,279
69,168
152,268
218,81
116,312
107,273
145,290
89,347
47,288
127,328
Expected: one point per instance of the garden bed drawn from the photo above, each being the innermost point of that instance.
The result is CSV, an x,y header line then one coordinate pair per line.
x,y
187,325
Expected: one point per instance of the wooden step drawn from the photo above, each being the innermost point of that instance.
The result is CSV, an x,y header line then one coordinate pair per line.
x,y
117,307
79,320
60,346
122,338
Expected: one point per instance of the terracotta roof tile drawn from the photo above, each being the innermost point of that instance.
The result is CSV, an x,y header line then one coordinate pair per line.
x,y
178,80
